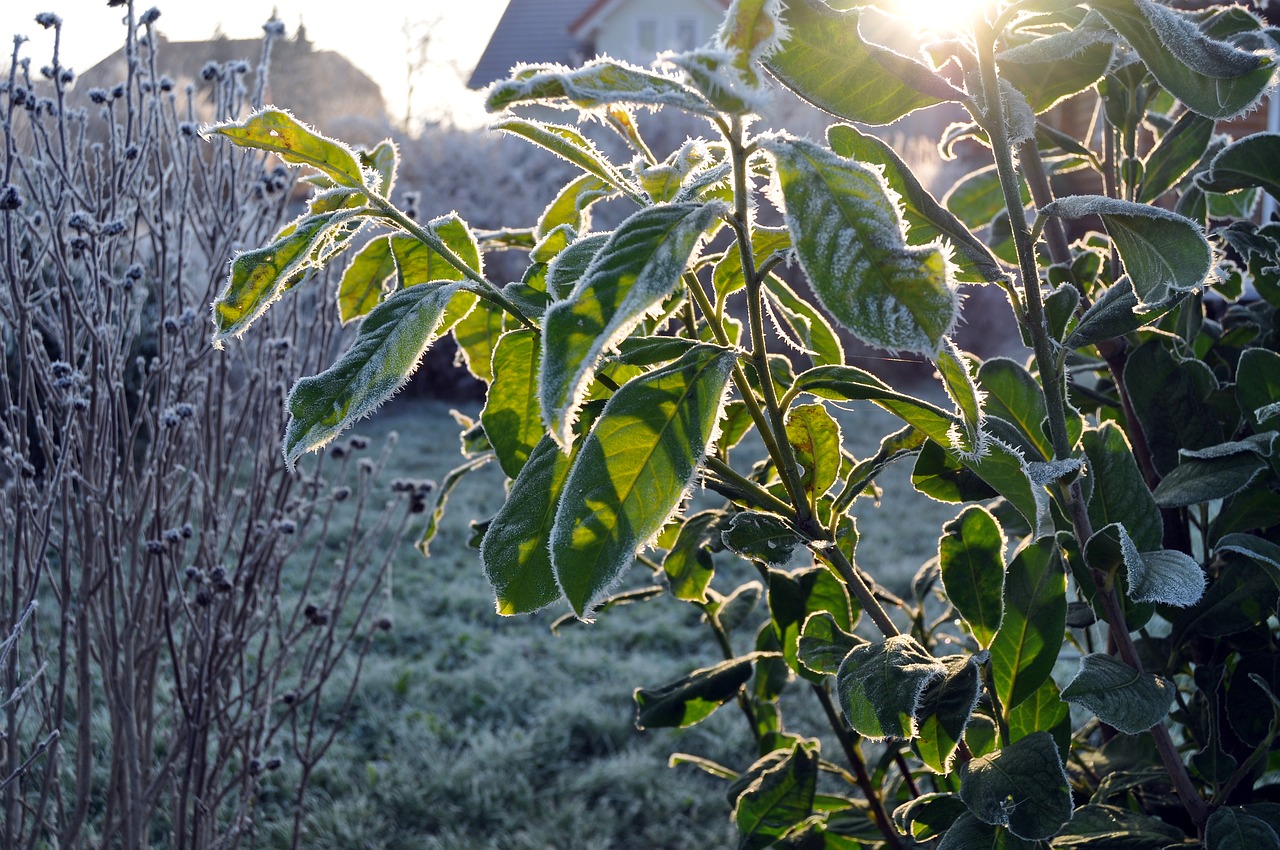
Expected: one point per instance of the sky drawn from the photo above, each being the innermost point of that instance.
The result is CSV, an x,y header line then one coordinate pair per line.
x,y
459,32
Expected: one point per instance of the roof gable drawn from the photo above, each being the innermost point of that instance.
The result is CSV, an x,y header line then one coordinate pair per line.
x,y
533,31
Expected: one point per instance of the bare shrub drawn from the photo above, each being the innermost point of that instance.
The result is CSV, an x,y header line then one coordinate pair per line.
x,y
174,601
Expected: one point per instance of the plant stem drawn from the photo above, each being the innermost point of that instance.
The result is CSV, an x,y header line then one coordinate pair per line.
x,y
1051,377
866,597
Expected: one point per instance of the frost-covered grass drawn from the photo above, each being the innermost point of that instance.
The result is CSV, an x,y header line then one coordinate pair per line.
x,y
479,731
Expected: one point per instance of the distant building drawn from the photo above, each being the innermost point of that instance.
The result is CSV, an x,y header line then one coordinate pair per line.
x,y
320,87
571,31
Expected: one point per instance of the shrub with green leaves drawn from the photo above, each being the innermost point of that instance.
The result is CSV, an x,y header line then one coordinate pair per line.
x,y
1116,494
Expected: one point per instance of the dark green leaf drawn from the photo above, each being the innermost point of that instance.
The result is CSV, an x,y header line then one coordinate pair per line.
x,y
1177,152
778,799
1115,313
444,490
1211,77
1098,827
633,469
794,597
1119,492
971,559
1031,632
1169,395
969,833
567,143
940,476
1163,252
1238,599
386,352
1258,386
638,267
1118,695
926,219
1253,161
688,563
1014,395
1229,829
928,815
945,707
762,537
823,644
511,414
570,265
1217,472
849,237
515,551
1022,786
693,698
277,131
880,685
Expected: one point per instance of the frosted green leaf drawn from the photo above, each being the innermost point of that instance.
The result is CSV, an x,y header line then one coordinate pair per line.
x,y
633,470
1251,162
1178,150
419,263
969,833
761,537
823,645
364,281
926,219
945,708
778,799
1043,711
510,416
600,82
1051,68
1231,829
849,236
382,160
1013,394
1119,493
693,698
1166,576
815,437
1022,786
515,551
571,264
1163,252
930,815
879,686
386,352
1214,78
1118,695
628,278
971,560
257,278
567,143
1260,550
1031,630
1216,472
826,61
968,437
280,133
572,205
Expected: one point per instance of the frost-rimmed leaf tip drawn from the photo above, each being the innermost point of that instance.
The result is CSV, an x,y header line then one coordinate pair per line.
x,y
278,132
599,83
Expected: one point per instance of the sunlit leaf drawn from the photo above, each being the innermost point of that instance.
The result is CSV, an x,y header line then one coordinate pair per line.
x,y
778,799
363,283
280,133
1031,631
599,82
510,416
971,559
944,711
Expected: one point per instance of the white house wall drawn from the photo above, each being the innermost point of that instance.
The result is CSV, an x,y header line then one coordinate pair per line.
x,y
662,22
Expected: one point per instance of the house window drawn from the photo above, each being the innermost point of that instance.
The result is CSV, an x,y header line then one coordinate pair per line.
x,y
686,34
647,37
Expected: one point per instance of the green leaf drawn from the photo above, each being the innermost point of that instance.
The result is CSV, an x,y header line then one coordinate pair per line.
x,y
442,493
879,686
795,597
815,437
1162,251
1119,492
1211,77
632,273
1238,599
849,237
765,241
1013,394
1118,695
570,265
510,416
364,281
778,799
1051,68
633,470
1043,711
418,263
385,353
1217,472
826,61
1258,386
1166,576
929,815
945,707
1031,631
1170,396
600,82
1096,827
761,537
823,644
969,833
1116,312
477,335
1002,468
688,565
515,551
969,436
693,698
940,476
978,197
567,143
1022,786
258,277
926,219
971,560
1251,162
806,323
1229,829
1177,152
1262,552
277,131
571,206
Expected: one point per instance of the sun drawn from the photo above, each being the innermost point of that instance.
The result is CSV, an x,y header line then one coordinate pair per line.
x,y
941,17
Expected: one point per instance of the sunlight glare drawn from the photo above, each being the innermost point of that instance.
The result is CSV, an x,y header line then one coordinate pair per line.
x,y
940,17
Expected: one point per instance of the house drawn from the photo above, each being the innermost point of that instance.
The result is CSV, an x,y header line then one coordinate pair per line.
x,y
571,31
